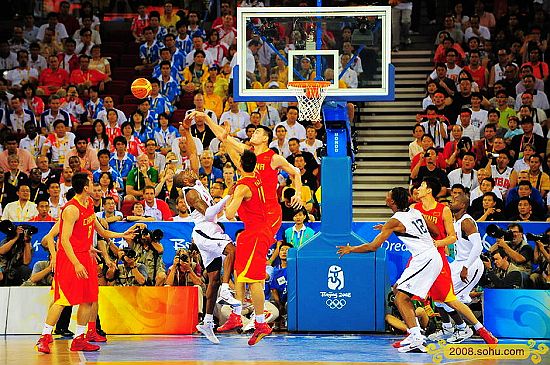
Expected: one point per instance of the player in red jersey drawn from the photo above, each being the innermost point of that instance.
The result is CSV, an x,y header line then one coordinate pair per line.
x,y
249,201
75,275
442,290
268,164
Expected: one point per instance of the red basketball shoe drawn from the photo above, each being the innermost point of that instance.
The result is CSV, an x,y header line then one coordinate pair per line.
x,y
262,330
487,336
43,344
80,343
93,336
234,322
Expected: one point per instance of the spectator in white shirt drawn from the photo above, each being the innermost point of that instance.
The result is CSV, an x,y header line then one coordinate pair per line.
x,y
468,130
236,118
311,144
23,209
293,128
350,76
465,175
53,22
32,142
477,30
281,142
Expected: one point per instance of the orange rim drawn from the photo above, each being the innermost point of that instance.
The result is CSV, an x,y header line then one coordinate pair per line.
x,y
312,87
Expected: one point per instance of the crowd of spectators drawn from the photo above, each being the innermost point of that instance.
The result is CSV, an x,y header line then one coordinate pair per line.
x,y
484,127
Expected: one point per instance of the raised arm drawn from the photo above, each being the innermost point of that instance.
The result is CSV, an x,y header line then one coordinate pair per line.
x,y
128,235
279,162
220,132
191,148
393,225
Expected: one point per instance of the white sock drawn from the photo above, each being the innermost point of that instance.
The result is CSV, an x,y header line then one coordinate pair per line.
x,y
462,326
478,326
415,331
447,325
80,330
417,322
260,318
238,309
208,318
47,329
225,286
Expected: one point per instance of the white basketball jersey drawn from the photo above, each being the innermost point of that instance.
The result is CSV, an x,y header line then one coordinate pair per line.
x,y
463,245
416,237
204,194
502,180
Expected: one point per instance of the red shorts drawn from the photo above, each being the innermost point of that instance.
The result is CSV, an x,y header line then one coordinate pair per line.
x,y
274,217
442,289
70,290
251,255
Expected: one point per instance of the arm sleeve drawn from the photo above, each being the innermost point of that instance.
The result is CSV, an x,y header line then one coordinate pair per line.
x,y
477,247
212,211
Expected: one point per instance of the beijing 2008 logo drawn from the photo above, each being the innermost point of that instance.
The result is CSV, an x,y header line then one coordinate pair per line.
x,y
335,282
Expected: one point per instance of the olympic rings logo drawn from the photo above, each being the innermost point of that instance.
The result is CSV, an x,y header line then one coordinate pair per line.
x,y
336,303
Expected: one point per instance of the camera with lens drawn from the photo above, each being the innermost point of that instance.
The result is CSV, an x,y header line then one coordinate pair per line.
x,y
496,232
10,230
155,235
485,256
183,257
129,253
544,238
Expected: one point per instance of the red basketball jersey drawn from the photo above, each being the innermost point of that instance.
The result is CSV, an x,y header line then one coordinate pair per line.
x,y
83,230
252,212
268,176
436,216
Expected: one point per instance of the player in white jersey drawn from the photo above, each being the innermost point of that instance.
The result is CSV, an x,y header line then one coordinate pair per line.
x,y
424,267
466,269
211,240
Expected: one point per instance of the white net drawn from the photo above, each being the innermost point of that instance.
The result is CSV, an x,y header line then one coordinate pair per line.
x,y
310,95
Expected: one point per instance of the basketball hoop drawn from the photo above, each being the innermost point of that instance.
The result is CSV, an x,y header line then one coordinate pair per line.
x,y
310,95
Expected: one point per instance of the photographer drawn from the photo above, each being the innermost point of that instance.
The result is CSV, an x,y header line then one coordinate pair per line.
x,y
128,272
149,252
15,253
182,273
506,275
541,277
516,248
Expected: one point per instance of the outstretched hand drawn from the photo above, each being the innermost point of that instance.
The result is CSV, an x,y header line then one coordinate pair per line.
x,y
296,202
344,250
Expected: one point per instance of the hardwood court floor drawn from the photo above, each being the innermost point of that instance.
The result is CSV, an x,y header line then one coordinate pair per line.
x,y
233,350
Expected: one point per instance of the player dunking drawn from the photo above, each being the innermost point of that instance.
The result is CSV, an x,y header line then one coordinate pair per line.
x,y
75,275
253,243
424,267
442,290
209,237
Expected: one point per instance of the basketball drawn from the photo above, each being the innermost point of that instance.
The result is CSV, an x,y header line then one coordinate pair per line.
x,y
141,88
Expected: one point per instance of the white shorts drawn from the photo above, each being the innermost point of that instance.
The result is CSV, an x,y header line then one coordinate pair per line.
x,y
419,276
462,289
211,241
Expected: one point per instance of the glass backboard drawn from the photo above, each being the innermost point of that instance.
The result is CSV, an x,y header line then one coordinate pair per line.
x,y
349,46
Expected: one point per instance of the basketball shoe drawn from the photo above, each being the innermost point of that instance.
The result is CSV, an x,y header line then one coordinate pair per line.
x,y
227,298
93,336
487,336
262,330
43,344
80,343
207,329
234,322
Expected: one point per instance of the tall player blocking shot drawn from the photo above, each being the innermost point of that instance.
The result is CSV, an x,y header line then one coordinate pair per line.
x,y
423,269
75,275
267,165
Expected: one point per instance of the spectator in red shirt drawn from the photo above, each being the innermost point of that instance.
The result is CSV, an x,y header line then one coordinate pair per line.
x,y
68,60
225,9
139,23
84,77
53,78
540,68
43,207
155,208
